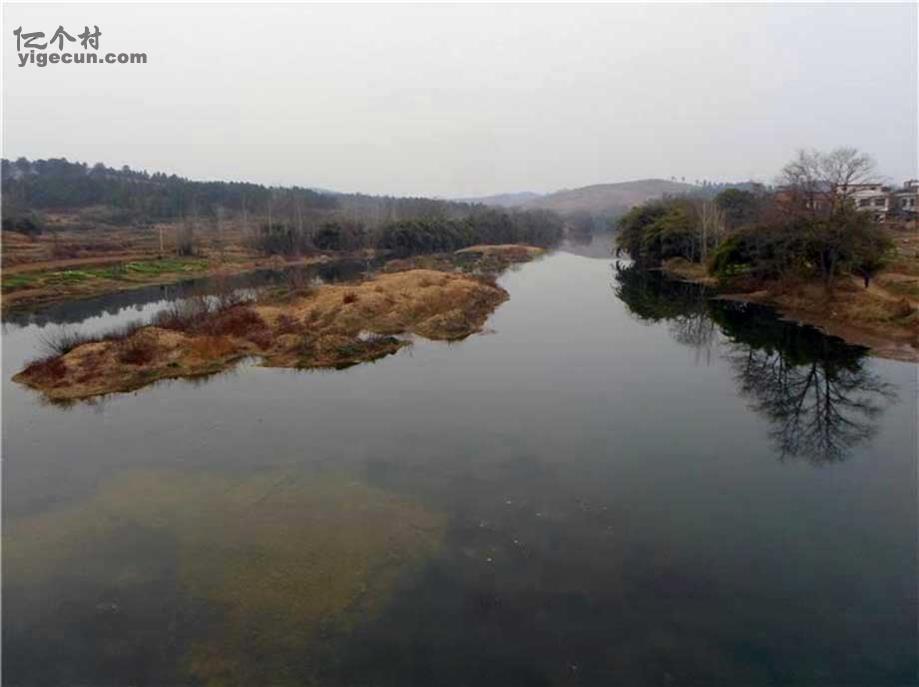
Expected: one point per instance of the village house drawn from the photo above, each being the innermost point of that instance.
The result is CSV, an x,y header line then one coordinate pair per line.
x,y
883,201
905,199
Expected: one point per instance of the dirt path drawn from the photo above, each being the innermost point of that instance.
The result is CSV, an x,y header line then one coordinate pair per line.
x,y
876,289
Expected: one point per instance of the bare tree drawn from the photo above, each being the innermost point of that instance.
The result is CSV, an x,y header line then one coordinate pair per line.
x,y
185,235
820,183
817,199
218,219
711,226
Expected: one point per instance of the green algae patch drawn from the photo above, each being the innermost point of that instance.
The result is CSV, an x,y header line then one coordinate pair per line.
x,y
263,570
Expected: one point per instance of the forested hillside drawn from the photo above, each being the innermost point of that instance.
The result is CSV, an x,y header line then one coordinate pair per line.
x,y
58,184
130,196
57,195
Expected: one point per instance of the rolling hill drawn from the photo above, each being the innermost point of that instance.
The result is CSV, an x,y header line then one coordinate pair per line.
x,y
608,199
600,200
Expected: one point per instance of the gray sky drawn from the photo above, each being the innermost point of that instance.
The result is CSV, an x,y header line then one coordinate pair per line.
x,y
468,100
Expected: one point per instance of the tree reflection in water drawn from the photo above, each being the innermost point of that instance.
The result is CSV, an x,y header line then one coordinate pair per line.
x,y
815,390
651,297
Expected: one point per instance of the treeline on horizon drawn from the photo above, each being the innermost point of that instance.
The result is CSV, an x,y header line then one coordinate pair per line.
x,y
807,226
57,184
414,236
279,220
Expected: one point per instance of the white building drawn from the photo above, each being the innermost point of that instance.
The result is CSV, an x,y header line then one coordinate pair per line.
x,y
885,202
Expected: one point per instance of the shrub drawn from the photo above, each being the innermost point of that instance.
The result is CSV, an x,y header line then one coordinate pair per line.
x,y
847,241
282,239
340,234
438,235
262,338
183,315
660,230
233,321
29,223
136,350
62,341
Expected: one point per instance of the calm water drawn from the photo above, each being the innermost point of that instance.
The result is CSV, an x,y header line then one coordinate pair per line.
x,y
621,483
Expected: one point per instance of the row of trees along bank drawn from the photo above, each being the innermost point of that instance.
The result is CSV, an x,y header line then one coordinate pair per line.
x,y
807,226
274,220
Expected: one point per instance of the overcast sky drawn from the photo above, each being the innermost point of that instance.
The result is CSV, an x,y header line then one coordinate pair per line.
x,y
468,100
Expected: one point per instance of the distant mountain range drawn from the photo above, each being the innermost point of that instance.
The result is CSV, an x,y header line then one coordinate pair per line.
x,y
598,199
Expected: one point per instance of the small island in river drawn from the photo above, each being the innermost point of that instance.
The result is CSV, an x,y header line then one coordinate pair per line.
x,y
302,326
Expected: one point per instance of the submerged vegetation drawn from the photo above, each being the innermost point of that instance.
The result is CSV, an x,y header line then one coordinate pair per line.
x,y
185,577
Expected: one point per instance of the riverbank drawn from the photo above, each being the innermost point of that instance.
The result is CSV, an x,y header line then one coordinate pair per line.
x,y
33,286
878,318
38,284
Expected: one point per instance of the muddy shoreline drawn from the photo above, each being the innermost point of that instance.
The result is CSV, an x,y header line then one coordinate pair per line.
x,y
888,341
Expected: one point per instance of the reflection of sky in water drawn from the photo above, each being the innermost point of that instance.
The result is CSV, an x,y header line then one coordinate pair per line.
x,y
616,506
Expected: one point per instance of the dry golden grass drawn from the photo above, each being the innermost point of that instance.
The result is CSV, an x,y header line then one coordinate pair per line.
x,y
333,326
211,347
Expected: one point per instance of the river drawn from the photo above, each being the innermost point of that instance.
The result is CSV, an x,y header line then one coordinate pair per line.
x,y
621,481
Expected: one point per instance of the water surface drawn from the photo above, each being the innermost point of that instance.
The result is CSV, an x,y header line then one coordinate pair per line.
x,y
621,482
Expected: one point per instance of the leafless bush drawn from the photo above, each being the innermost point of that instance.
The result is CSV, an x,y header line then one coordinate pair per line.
x,y
136,350
61,341
183,315
236,320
